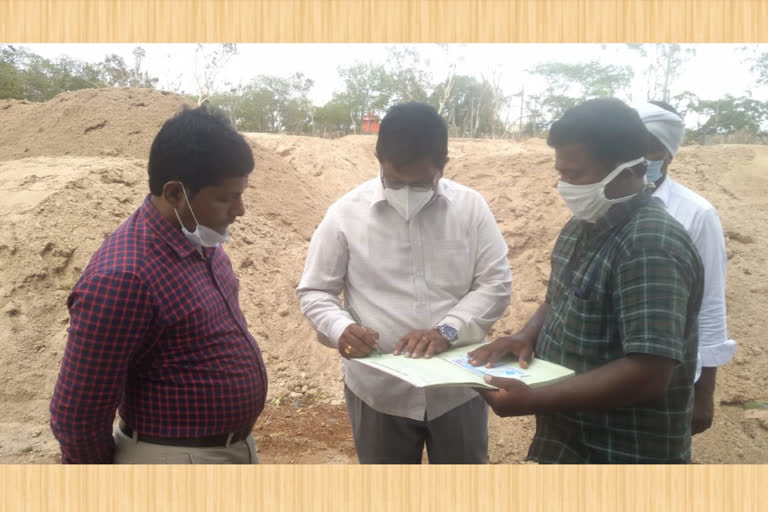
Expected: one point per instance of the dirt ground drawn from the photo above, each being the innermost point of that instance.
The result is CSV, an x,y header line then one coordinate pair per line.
x,y
72,169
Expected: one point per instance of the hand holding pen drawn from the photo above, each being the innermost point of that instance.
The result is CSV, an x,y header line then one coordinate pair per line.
x,y
355,334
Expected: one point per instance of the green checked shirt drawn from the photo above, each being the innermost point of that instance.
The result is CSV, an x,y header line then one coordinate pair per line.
x,y
630,284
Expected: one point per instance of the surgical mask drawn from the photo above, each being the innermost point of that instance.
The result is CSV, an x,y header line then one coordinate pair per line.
x,y
653,173
203,236
588,202
409,200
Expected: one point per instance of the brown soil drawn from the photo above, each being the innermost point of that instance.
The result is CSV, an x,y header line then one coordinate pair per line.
x,y
67,186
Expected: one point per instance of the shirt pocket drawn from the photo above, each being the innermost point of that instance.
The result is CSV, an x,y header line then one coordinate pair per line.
x,y
448,266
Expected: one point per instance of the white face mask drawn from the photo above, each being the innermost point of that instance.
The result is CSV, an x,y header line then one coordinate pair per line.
x,y
408,201
588,202
203,236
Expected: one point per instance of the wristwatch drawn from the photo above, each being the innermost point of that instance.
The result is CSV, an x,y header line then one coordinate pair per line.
x,y
448,332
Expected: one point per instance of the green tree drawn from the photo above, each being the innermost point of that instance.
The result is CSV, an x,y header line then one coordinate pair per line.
x,y
208,66
570,84
405,79
760,68
270,104
731,115
333,119
665,62
367,88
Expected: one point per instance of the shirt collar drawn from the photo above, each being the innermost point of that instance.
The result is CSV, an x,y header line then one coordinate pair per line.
x,y
378,192
166,231
664,190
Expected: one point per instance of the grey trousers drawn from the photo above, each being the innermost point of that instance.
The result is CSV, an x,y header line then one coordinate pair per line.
x,y
128,451
459,436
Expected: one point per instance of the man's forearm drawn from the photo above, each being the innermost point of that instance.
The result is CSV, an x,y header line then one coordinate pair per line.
x,y
706,382
620,383
532,328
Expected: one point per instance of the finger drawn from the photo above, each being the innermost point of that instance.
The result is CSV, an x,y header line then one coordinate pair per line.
x,y
413,341
526,354
357,338
401,344
485,393
421,347
501,382
494,358
369,337
359,351
491,397
478,356
346,351
373,336
434,347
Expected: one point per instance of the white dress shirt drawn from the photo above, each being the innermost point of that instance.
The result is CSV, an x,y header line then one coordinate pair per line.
x,y
701,221
448,264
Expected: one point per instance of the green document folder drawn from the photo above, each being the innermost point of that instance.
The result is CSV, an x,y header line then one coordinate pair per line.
x,y
451,369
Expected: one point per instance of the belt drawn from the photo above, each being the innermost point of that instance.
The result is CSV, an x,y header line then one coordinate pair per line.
x,y
195,442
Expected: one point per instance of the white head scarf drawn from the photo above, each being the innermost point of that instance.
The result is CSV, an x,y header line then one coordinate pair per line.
x,y
663,124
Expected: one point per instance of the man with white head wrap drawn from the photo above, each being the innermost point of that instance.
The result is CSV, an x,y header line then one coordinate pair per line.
x,y
701,221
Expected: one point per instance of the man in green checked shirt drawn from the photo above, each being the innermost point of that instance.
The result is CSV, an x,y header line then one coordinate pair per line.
x,y
621,308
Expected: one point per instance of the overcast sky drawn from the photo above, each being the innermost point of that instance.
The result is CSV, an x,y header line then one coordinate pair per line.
x,y
715,70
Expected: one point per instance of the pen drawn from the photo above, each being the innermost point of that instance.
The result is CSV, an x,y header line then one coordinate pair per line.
x,y
358,322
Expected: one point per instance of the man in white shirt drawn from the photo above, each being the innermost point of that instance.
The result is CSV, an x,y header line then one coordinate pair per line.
x,y
423,265
700,219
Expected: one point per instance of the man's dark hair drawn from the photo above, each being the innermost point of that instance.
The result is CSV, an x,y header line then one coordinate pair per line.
x,y
666,106
610,130
410,132
199,148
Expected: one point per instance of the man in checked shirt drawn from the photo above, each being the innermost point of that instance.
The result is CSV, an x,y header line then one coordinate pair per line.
x,y
621,309
156,329
423,266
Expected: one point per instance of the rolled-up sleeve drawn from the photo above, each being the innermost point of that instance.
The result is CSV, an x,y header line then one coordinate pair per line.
x,y
715,349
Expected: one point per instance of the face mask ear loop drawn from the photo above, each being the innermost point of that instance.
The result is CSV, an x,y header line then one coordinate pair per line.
x,y
184,189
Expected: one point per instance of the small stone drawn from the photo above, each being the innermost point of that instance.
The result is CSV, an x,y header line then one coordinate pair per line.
x,y
294,394
303,375
311,392
283,312
26,449
336,402
304,389
11,309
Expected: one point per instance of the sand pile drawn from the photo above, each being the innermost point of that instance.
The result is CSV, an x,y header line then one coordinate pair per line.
x,y
58,208
88,122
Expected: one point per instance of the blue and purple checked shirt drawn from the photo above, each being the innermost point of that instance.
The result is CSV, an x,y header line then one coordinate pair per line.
x,y
156,331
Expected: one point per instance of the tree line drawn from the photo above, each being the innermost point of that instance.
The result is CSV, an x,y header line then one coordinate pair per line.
x,y
472,106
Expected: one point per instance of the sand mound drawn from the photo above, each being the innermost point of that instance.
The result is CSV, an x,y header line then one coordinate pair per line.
x,y
88,122
58,208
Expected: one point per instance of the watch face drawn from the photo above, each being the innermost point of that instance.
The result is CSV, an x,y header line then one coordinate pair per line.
x,y
449,333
